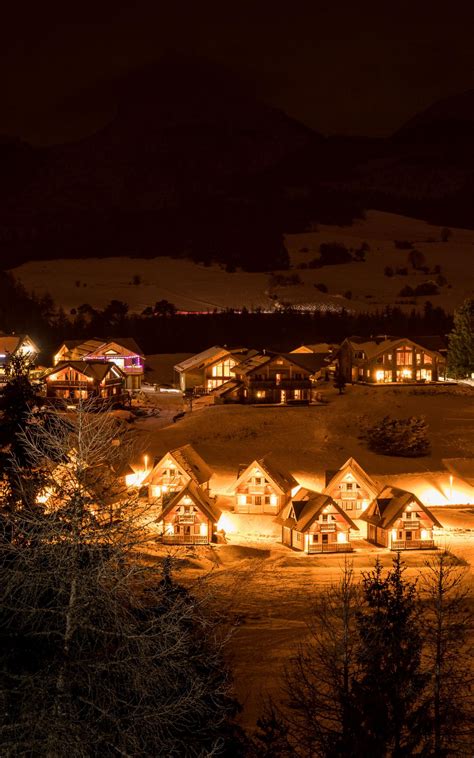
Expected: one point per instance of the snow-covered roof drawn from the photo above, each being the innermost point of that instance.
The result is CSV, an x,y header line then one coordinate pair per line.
x,y
389,505
200,499
189,461
307,506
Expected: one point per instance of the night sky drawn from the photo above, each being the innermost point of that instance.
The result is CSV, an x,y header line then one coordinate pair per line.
x,y
339,66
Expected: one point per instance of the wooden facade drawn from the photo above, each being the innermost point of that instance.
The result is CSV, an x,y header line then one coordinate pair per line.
x,y
208,370
122,351
174,471
15,344
188,517
315,523
284,379
351,487
391,360
74,381
262,488
398,520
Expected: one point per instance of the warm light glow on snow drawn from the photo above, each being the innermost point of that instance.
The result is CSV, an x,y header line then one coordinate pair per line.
x,y
227,524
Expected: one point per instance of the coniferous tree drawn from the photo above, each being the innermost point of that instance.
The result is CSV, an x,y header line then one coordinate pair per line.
x,y
391,688
461,342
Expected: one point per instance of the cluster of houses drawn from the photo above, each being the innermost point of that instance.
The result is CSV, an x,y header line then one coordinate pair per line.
x,y
178,490
109,370
251,376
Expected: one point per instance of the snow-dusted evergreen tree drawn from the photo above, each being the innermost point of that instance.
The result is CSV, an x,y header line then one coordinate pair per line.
x,y
101,653
461,342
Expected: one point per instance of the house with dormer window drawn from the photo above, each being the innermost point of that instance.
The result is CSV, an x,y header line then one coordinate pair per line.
x,y
351,487
398,520
314,523
174,471
261,487
189,517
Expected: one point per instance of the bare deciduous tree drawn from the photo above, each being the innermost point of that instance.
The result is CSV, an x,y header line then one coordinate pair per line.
x,y
448,624
101,652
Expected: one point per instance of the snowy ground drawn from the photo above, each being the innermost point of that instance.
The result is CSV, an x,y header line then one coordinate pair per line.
x,y
192,287
268,587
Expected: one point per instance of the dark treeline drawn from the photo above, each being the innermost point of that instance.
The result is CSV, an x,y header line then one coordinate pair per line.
x,y
174,332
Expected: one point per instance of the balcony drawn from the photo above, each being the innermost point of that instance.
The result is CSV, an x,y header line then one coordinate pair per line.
x,y
184,539
329,527
412,545
330,547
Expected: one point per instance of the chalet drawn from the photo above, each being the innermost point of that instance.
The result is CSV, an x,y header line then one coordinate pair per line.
x,y
279,378
315,523
392,359
15,344
262,488
123,351
73,381
351,487
209,369
397,519
189,517
175,470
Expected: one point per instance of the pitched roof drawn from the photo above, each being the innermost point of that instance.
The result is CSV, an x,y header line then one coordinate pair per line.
x,y
317,347
206,357
332,477
307,508
388,506
283,480
86,347
190,463
200,498
97,370
9,343
374,347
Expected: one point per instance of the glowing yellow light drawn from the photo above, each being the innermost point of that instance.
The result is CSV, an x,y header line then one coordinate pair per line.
x,y
425,535
394,534
379,376
203,530
406,373
227,523
341,537
273,500
169,528
242,499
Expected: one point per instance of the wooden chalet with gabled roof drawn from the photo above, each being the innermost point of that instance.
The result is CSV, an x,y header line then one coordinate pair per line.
x,y
351,487
175,470
123,351
209,369
315,523
386,360
262,488
283,378
73,381
397,519
15,344
188,517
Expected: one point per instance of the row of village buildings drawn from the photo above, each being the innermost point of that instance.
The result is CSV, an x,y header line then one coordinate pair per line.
x,y
109,369
351,504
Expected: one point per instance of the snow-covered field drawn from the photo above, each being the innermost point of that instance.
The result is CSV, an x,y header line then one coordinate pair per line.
x,y
269,587
193,287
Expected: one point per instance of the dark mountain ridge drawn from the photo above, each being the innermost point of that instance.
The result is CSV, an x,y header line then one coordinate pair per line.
x,y
192,164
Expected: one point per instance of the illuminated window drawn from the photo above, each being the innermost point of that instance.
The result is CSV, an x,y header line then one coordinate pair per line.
x,y
404,356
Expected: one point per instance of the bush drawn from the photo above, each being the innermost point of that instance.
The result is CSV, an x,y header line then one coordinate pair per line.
x,y
348,295
405,437
416,259
333,253
406,291
427,288
321,287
